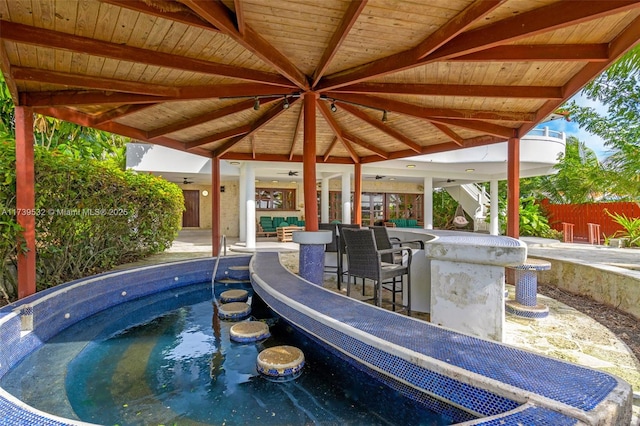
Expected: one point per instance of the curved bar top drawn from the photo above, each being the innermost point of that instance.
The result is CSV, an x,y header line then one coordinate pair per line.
x,y
470,379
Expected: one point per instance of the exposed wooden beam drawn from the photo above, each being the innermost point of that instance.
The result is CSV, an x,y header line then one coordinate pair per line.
x,y
244,156
119,112
327,153
92,82
57,40
366,145
477,125
457,25
184,16
408,59
5,68
617,47
232,91
75,97
529,92
83,119
425,112
203,118
547,18
450,133
240,24
294,138
375,122
348,20
544,52
265,119
219,15
337,131
237,131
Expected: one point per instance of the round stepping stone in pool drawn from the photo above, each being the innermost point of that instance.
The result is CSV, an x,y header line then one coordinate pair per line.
x,y
280,363
249,331
234,311
234,296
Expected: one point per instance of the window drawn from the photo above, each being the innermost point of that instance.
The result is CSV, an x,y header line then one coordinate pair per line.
x,y
275,199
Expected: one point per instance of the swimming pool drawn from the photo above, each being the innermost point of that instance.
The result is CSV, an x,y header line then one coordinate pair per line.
x,y
168,359
471,380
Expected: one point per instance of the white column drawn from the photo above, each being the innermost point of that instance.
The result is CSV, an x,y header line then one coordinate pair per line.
x,y
346,197
242,196
428,203
250,205
324,201
494,223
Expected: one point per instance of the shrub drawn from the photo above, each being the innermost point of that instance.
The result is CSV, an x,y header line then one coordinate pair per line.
x,y
90,216
631,228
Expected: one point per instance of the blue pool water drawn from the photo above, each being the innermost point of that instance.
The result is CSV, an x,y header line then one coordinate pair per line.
x,y
167,359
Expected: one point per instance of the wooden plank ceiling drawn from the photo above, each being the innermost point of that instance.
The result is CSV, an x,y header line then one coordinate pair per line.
x,y
225,78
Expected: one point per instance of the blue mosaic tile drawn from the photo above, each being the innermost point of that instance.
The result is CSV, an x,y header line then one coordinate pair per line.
x,y
531,416
567,383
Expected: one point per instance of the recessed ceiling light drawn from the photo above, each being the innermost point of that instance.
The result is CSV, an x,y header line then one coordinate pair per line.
x,y
392,178
469,170
274,181
411,166
235,163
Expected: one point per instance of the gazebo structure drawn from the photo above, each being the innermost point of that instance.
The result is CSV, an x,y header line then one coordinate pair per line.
x,y
332,81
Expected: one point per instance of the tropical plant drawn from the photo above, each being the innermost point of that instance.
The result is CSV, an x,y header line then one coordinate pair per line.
x,y
90,216
619,90
631,228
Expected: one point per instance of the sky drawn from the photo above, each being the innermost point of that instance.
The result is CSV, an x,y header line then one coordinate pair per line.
x,y
596,143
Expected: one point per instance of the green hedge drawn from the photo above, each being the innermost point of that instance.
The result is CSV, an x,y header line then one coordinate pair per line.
x,y
90,216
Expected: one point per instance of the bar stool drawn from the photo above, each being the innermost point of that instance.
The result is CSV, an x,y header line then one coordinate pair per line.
x,y
526,303
594,233
567,232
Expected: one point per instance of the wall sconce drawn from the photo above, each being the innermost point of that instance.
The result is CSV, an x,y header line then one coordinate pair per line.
x,y
205,193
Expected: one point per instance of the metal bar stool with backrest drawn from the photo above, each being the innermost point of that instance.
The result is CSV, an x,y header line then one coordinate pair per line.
x,y
342,251
365,261
384,242
332,247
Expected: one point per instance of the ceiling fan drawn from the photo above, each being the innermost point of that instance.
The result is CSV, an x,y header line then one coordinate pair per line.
x,y
378,177
290,173
186,181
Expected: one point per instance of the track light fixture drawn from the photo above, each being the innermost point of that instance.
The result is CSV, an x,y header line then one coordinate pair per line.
x,y
286,103
334,108
256,104
384,116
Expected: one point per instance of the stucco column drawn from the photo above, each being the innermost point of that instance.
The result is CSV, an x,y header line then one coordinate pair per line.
x,y
25,200
250,205
346,197
494,221
242,197
428,203
324,200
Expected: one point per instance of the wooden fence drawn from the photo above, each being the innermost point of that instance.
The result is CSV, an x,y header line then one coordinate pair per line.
x,y
581,214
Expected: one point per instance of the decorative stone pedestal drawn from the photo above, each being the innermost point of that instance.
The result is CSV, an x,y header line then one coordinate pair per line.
x,y
526,303
312,243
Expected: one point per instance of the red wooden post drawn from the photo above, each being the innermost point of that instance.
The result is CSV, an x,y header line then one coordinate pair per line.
x,y
215,206
513,187
357,194
25,200
309,162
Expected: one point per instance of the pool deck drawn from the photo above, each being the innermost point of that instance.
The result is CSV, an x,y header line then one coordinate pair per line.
x,y
565,334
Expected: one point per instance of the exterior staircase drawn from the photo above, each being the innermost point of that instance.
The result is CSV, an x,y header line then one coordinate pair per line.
x,y
474,201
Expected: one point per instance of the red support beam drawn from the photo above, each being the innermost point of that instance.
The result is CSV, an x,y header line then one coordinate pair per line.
x,y
215,206
513,187
309,162
357,194
25,200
